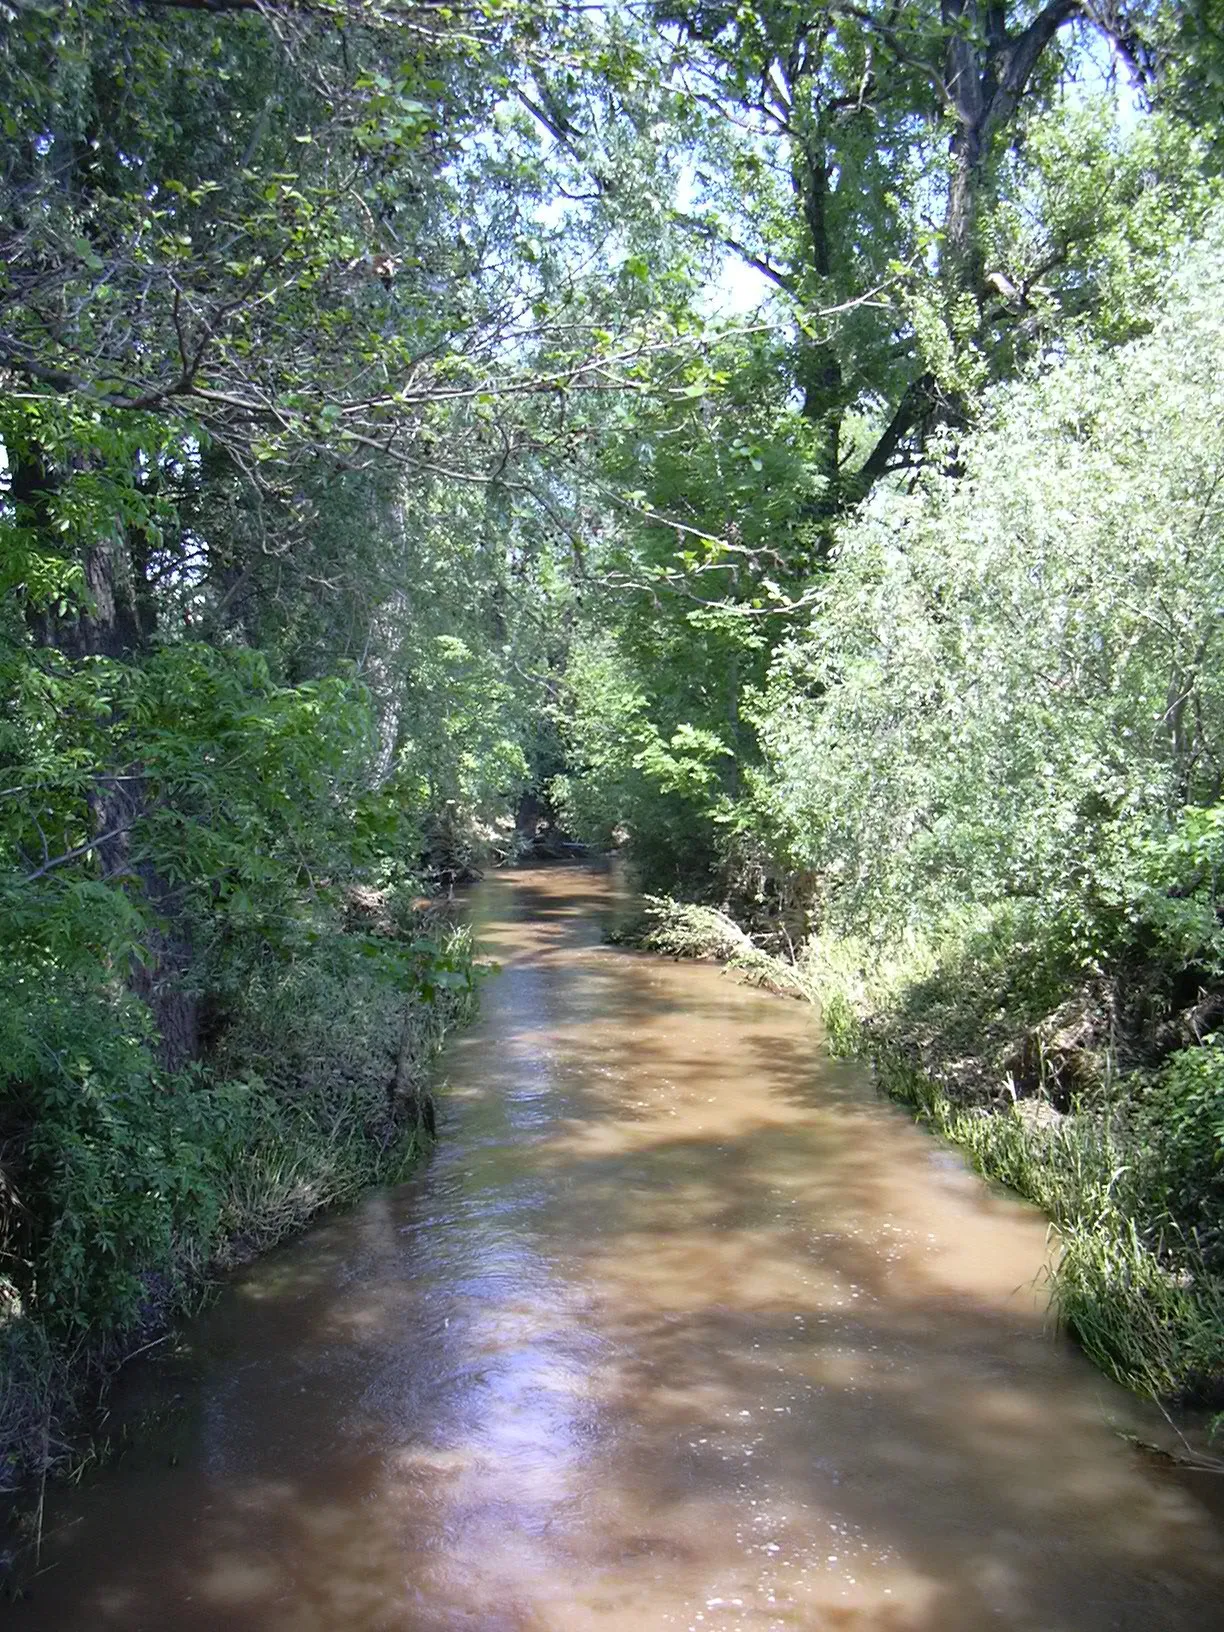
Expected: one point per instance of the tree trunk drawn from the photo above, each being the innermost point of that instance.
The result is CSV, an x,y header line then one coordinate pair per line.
x,y
114,621
970,88
986,72
818,370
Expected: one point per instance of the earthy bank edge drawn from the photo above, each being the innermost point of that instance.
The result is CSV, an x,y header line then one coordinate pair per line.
x,y
1130,1287
319,1092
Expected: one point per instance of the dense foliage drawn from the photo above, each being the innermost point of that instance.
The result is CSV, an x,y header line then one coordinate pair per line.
x,y
957,746
783,440
255,639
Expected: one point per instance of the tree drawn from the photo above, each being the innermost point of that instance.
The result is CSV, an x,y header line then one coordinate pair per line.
x,y
1008,683
887,126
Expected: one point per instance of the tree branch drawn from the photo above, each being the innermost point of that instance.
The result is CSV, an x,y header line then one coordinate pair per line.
x,y
713,235
918,397
1017,62
81,849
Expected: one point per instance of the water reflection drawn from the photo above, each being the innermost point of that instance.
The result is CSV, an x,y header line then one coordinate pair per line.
x,y
680,1328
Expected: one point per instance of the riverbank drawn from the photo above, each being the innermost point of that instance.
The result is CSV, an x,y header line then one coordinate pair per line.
x,y
680,1320
1122,1162
124,1208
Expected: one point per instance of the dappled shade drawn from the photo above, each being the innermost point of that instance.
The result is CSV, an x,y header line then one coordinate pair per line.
x,y
680,1321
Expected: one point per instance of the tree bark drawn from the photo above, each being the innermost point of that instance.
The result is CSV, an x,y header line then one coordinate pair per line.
x,y
818,370
986,72
114,622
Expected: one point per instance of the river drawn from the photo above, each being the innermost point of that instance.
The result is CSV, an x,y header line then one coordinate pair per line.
x,y
680,1327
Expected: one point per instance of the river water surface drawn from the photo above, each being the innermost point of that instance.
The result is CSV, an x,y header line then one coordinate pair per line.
x,y
681,1327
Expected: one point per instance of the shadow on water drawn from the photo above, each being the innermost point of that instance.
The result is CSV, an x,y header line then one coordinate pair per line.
x,y
681,1327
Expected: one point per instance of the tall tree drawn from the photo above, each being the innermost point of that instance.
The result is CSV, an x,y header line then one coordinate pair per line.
x,y
885,124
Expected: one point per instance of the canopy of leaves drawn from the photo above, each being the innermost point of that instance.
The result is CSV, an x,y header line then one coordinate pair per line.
x,y
378,483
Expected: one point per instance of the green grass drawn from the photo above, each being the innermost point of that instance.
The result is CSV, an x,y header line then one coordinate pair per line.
x,y
1127,1278
1135,1293
312,1096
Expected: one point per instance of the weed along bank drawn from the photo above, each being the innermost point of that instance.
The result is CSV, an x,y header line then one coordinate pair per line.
x,y
680,1319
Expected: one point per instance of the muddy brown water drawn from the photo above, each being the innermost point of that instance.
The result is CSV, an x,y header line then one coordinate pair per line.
x,y
681,1327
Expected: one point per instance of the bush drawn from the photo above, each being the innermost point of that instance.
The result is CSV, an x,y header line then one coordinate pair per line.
x,y
1178,1123
125,1185
1012,679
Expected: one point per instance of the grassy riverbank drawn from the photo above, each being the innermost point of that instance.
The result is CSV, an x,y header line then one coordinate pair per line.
x,y
133,1187
1043,1096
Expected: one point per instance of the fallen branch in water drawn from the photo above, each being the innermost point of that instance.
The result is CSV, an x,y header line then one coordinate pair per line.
x,y
683,929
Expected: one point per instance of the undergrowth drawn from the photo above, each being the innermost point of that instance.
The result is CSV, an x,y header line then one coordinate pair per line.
x,y
1018,1065
1124,1161
126,1188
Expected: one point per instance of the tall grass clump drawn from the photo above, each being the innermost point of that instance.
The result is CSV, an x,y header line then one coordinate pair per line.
x,y
1123,1172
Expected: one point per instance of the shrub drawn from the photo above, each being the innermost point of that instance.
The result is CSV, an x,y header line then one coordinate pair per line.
x,y
1179,1125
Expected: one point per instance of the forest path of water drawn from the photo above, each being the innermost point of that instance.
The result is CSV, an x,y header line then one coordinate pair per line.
x,y
681,1327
